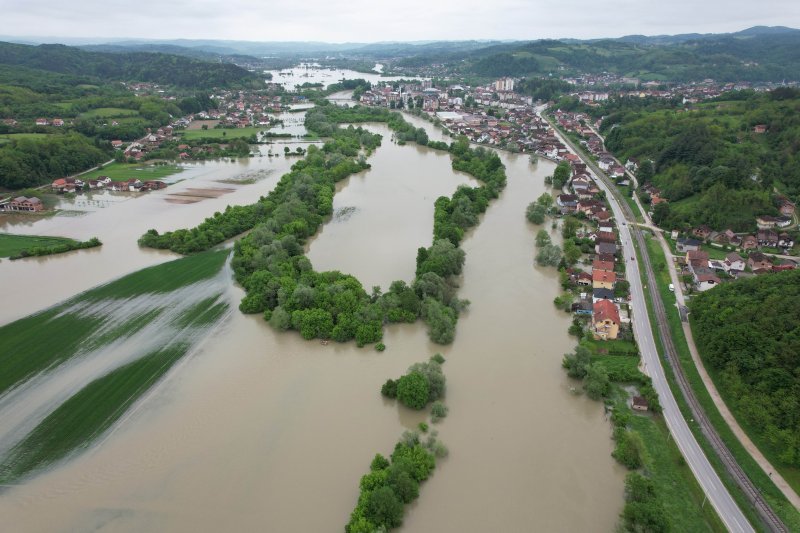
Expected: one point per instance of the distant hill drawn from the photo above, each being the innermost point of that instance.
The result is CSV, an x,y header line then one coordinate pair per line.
x,y
196,53
165,69
757,54
760,53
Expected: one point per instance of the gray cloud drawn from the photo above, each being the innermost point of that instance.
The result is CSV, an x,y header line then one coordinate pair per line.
x,y
370,21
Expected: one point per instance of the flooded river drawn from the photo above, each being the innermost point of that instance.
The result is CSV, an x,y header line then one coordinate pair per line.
x,y
118,219
291,78
262,431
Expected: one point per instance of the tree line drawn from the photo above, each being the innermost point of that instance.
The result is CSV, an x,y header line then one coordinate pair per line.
x,y
279,280
747,334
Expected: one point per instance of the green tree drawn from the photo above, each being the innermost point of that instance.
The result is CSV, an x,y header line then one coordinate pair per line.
x,y
384,508
412,390
577,363
542,238
561,174
597,383
548,255
570,226
545,199
389,388
572,253
535,213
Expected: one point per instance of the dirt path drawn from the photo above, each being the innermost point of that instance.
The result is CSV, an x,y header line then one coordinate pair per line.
x,y
748,444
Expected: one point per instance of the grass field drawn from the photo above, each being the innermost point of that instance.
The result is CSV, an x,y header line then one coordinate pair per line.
x,y
122,337
126,171
8,137
110,112
221,134
679,492
617,365
13,244
782,507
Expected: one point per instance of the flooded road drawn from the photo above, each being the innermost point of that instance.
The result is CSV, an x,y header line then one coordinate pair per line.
x,y
261,431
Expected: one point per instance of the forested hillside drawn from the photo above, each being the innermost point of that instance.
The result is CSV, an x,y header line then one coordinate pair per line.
x,y
80,88
709,162
748,335
159,68
741,57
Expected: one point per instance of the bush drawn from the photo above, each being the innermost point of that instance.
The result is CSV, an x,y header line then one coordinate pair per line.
x,y
412,390
548,255
535,213
597,383
380,347
438,411
438,358
629,450
389,388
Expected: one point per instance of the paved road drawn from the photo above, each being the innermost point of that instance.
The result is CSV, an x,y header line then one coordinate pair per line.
x,y
717,493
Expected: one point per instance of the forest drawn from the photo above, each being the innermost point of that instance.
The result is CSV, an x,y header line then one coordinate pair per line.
x,y
744,57
27,162
707,159
164,69
94,112
748,336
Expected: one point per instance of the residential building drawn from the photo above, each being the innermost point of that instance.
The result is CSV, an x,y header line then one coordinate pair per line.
x,y
686,245
602,279
23,203
605,320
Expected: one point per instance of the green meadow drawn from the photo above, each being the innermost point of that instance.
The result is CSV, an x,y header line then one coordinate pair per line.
x,y
11,245
126,171
110,112
221,134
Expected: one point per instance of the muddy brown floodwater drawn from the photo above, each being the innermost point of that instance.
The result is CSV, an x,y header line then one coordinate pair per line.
x,y
262,431
118,220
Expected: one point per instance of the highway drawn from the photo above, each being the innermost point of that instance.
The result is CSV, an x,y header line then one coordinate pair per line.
x,y
717,494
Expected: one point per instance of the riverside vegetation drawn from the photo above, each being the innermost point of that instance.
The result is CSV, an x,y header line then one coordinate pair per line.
x,y
392,483
279,280
661,493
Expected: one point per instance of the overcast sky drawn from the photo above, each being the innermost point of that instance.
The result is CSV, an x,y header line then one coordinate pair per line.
x,y
376,20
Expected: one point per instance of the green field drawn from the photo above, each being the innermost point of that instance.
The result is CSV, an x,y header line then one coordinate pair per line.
x,y
617,365
178,302
126,171
109,112
8,137
221,133
11,245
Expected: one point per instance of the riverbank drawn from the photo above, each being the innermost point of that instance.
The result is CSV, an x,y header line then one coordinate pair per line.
x,y
642,440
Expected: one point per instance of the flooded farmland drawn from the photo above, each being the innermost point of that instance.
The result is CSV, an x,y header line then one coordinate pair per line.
x,y
260,430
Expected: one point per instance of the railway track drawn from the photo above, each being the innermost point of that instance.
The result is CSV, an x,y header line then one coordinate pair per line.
x,y
765,512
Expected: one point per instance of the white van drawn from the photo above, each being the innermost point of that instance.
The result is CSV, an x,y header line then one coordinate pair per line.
x,y
671,287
